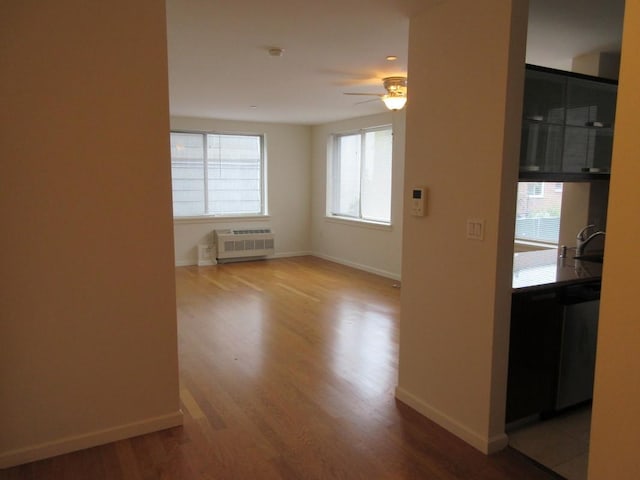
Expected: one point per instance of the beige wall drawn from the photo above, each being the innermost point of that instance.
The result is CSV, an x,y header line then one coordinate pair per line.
x,y
376,249
615,431
466,63
296,163
289,185
574,211
599,64
87,317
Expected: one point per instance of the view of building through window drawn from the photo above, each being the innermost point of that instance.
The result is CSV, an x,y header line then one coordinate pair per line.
x,y
538,211
215,174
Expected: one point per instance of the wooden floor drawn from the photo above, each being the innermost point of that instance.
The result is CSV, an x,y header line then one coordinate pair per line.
x,y
288,369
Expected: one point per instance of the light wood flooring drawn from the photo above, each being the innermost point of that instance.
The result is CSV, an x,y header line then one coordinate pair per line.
x,y
287,369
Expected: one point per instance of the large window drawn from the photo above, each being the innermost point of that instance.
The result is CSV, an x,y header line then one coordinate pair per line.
x,y
359,180
538,212
214,174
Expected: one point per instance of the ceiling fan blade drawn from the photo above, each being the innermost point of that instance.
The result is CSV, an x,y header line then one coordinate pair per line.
x,y
367,101
367,94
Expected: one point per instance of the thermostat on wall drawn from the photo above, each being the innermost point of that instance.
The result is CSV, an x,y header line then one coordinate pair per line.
x,y
418,201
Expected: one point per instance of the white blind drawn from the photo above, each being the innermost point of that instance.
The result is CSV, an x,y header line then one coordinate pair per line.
x,y
376,176
216,174
346,176
234,174
361,175
187,174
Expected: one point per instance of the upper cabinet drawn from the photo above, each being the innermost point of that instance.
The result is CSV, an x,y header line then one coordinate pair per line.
x,y
567,125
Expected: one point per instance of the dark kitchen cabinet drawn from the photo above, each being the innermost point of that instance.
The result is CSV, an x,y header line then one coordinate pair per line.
x,y
590,113
567,124
542,122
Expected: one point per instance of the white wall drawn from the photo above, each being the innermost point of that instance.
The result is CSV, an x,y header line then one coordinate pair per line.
x,y
289,186
372,248
463,136
88,344
297,157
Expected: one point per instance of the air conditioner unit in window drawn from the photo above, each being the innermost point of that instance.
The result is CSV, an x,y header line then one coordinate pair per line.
x,y
243,244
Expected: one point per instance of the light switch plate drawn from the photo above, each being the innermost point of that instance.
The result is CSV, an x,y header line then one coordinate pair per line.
x,y
475,228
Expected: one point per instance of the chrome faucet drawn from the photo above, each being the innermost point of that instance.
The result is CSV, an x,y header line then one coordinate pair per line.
x,y
583,238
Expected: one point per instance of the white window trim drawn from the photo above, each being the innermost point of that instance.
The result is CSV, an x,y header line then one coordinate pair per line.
x,y
535,243
356,222
331,152
218,219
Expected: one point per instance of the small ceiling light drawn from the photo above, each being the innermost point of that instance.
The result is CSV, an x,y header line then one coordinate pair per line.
x,y
276,52
392,58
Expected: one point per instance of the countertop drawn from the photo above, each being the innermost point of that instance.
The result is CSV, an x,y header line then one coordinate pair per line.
x,y
543,268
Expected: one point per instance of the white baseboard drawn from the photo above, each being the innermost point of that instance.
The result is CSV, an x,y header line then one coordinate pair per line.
x,y
358,266
486,445
185,263
191,262
366,268
207,263
87,440
290,254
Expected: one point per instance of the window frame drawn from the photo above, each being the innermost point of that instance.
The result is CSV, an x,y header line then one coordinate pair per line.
x,y
538,187
333,152
537,219
263,178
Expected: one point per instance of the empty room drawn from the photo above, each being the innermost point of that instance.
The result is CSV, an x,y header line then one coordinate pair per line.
x,y
285,239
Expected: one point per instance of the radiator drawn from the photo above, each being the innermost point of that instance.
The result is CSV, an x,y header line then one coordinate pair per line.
x,y
243,244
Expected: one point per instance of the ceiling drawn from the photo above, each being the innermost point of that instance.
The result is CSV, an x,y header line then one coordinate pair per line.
x,y
220,66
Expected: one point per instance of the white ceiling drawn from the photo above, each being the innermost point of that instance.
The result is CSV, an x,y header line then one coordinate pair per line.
x,y
219,65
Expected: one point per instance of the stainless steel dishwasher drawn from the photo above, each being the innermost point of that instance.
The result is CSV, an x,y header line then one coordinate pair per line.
x,y
578,344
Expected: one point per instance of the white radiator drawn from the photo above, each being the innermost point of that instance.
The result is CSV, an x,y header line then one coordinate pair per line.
x,y
243,244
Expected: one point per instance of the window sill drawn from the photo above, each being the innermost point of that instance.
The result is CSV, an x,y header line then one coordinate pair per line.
x,y
218,219
528,245
359,223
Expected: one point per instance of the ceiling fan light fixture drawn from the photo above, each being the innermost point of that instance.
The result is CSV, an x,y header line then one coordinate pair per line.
x,y
396,96
393,102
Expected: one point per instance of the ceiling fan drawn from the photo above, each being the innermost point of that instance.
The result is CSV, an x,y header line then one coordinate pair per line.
x,y
396,95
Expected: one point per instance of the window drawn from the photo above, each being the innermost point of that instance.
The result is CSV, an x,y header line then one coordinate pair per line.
x,y
538,212
535,189
214,174
359,179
